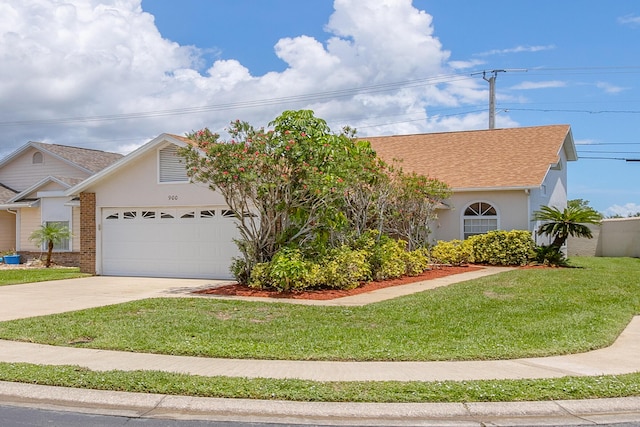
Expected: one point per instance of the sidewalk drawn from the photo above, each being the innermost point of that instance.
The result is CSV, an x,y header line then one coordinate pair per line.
x,y
621,357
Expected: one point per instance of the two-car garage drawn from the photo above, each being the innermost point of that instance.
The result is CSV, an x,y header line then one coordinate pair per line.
x,y
182,242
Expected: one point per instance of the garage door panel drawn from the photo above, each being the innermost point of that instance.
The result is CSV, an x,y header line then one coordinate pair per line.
x,y
191,244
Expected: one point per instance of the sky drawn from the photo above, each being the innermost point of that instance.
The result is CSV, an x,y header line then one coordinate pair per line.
x,y
114,74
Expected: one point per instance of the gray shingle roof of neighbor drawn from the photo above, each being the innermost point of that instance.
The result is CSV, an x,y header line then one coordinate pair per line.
x,y
6,193
92,160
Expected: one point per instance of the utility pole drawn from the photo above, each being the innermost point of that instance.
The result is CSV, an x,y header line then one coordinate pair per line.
x,y
492,92
492,95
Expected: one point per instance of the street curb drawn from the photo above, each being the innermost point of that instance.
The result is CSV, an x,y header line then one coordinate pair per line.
x,y
159,406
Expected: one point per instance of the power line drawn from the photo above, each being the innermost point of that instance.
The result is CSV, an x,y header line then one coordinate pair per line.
x,y
550,110
318,96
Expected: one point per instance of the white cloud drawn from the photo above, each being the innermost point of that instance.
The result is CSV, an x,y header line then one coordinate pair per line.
x,y
609,88
624,210
631,20
463,65
517,49
539,85
107,60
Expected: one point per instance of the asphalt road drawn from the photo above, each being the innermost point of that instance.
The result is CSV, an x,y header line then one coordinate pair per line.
x,y
14,416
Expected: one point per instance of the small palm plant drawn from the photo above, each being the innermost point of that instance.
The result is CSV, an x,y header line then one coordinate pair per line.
x,y
50,234
560,224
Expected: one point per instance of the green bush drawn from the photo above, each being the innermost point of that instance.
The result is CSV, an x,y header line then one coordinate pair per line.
x,y
346,268
259,278
287,271
501,247
550,255
453,252
416,262
387,259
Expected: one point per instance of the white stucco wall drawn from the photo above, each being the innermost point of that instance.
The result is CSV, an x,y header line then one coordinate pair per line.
x,y
136,184
511,206
615,237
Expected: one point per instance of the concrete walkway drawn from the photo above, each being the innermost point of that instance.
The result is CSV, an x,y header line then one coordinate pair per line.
x,y
65,295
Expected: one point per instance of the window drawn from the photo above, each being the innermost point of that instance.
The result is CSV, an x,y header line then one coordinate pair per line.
x,y
208,213
63,245
37,158
479,218
172,167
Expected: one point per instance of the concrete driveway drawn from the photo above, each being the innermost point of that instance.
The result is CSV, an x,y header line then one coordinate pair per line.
x,y
58,296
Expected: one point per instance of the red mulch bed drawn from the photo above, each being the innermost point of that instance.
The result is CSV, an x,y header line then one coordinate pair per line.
x,y
327,294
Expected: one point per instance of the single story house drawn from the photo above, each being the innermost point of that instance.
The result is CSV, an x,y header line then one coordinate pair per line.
x,y
499,177
33,181
141,216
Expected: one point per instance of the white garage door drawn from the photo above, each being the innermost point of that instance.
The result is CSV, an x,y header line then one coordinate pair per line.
x,y
168,242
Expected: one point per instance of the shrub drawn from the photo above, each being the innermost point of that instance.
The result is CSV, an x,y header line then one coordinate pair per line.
x,y
287,271
454,252
550,255
416,262
501,247
259,277
345,268
240,271
387,259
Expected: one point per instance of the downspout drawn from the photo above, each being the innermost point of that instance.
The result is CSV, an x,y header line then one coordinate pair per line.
x,y
529,220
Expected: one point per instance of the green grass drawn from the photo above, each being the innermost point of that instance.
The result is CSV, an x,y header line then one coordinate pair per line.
x,y
18,276
523,313
298,390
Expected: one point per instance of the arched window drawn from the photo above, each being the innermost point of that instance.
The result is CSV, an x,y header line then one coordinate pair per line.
x,y
479,218
37,158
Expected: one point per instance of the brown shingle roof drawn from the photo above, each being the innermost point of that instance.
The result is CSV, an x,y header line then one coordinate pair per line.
x,y
92,160
514,158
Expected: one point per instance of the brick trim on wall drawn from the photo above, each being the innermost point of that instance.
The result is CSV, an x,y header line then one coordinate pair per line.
x,y
66,259
88,233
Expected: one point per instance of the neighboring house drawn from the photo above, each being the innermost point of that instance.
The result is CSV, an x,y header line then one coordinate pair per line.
x,y
141,216
33,180
499,177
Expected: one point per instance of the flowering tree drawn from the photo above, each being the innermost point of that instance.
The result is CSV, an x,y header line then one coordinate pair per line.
x,y
298,184
285,185
411,205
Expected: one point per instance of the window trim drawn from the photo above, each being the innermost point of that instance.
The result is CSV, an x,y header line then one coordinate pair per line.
x,y
464,217
37,158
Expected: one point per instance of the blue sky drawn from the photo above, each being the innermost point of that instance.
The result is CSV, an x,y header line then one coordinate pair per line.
x,y
112,74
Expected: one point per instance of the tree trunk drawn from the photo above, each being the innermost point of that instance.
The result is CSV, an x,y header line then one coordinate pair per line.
x,y
49,251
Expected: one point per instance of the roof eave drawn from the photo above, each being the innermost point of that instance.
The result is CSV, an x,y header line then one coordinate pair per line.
x,y
506,188
7,206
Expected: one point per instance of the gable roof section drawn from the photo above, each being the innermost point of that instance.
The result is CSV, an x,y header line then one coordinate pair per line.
x,y
91,161
65,183
113,168
515,158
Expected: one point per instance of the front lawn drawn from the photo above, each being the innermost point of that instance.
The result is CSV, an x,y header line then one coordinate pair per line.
x,y
522,313
11,276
